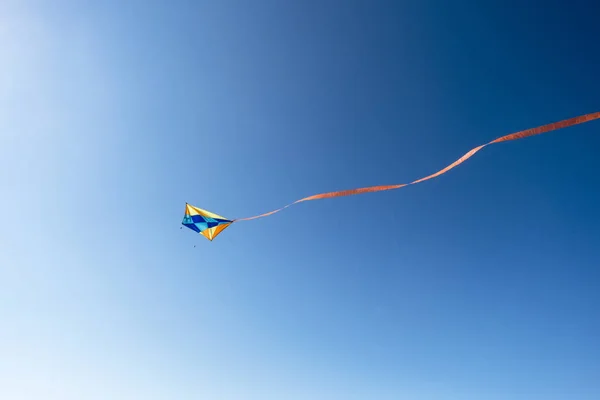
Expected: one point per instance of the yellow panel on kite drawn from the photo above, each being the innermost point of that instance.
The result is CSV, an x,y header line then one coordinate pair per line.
x,y
213,232
191,210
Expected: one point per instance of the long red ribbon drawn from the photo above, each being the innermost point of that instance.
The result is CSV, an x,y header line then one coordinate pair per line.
x,y
513,136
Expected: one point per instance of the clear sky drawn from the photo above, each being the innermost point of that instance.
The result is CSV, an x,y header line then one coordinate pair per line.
x,y
481,284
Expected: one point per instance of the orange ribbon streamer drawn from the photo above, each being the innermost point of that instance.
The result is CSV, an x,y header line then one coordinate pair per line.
x,y
513,136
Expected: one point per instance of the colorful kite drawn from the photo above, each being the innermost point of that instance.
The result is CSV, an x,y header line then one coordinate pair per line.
x,y
204,222
210,224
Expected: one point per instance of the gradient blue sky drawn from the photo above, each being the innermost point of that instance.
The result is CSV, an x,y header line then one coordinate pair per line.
x,y
482,284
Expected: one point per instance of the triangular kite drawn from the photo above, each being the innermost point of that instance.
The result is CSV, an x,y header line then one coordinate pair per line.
x,y
204,222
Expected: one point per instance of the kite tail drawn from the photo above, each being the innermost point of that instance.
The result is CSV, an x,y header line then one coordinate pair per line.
x,y
513,136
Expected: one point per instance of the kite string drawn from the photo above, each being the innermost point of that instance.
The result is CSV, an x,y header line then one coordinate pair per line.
x,y
513,136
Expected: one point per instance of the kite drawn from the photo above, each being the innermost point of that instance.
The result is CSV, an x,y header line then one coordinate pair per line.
x,y
210,225
204,222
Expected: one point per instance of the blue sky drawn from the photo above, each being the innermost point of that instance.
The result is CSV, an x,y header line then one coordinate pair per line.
x,y
479,284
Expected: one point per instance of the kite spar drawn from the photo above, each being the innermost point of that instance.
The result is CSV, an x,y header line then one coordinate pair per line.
x,y
210,225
